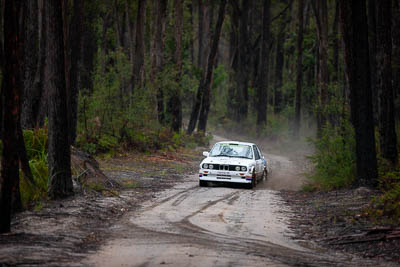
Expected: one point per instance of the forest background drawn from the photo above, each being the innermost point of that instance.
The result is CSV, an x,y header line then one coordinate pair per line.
x,y
121,75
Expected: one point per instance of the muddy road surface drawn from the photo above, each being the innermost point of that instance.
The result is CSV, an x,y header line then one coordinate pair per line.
x,y
219,225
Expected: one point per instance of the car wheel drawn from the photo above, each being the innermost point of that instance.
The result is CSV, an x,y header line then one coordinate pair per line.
x,y
202,183
265,175
253,182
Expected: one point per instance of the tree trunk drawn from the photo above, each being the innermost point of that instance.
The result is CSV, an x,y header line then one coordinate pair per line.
x,y
88,49
279,63
30,65
205,106
335,44
232,106
204,29
353,20
243,60
138,70
40,81
321,16
387,132
59,154
396,48
12,85
174,107
191,42
75,44
200,34
262,83
299,76
372,39
157,57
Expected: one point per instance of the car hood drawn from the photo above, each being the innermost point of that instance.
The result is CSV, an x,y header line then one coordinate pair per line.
x,y
227,160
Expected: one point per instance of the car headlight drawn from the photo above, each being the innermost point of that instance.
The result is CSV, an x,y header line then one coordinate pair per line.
x,y
211,166
244,169
237,168
205,166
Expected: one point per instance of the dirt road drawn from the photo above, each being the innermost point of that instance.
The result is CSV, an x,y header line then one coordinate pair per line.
x,y
220,225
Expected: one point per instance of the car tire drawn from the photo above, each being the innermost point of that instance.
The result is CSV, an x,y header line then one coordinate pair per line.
x,y
253,182
203,183
265,175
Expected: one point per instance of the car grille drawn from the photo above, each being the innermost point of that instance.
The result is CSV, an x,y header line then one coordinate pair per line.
x,y
223,167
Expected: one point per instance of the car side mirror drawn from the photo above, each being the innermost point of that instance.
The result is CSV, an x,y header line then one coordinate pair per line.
x,y
205,154
263,157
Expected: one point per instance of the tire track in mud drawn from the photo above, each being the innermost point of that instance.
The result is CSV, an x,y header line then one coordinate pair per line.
x,y
190,225
189,232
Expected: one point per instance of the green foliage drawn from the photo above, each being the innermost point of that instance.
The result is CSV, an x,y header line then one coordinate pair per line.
x,y
386,206
334,159
36,147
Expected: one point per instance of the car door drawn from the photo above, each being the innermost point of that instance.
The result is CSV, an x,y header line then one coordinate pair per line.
x,y
258,160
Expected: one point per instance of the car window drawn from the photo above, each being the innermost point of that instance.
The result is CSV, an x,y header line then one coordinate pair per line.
x,y
231,150
256,154
259,151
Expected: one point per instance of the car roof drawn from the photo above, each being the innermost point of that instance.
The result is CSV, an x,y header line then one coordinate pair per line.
x,y
235,142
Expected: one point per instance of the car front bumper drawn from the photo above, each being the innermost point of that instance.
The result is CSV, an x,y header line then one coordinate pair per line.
x,y
226,176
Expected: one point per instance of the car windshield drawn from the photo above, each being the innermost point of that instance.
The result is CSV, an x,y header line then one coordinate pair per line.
x,y
231,150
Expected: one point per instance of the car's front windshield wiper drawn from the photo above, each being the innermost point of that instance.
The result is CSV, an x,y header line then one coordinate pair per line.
x,y
244,157
221,155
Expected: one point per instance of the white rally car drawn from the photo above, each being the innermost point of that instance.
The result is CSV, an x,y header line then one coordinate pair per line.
x,y
235,162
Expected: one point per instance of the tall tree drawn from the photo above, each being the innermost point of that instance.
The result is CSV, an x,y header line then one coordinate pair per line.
x,y
157,57
205,106
387,131
231,105
396,47
30,65
40,80
75,45
335,44
138,63
59,154
372,39
353,21
262,83
203,32
203,36
321,16
242,77
279,61
12,86
174,107
299,75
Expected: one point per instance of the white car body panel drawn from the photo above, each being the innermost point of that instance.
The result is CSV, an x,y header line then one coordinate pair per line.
x,y
224,166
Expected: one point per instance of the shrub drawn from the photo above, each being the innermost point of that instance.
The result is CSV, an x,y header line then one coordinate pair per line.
x,y
387,205
36,147
334,159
